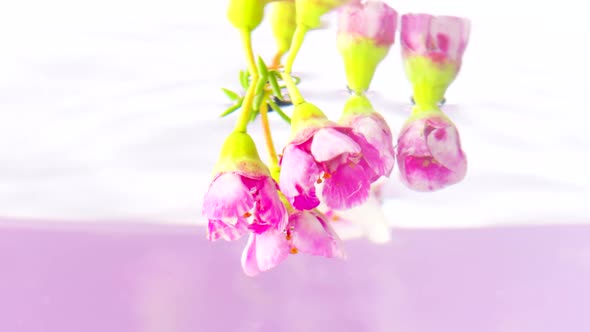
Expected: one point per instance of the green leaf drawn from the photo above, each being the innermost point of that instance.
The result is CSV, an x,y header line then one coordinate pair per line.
x,y
262,69
279,111
230,94
232,108
260,86
244,80
276,90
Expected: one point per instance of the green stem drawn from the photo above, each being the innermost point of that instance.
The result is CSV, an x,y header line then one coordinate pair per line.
x,y
247,44
274,161
296,43
296,97
244,119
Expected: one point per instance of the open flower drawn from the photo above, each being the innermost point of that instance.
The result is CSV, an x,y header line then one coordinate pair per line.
x,y
366,32
242,195
429,154
432,51
372,133
307,232
321,151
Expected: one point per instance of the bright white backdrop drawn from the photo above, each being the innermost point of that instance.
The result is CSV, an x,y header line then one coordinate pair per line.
x,y
109,110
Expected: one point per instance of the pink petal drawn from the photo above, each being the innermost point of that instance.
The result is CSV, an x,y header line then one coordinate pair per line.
x,y
445,147
299,173
264,251
311,234
329,143
423,174
451,34
430,155
347,187
227,197
218,229
270,211
374,20
439,37
414,32
377,146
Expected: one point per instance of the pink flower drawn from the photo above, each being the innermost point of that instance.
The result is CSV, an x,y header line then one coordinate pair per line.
x,y
321,151
429,153
242,196
441,38
366,32
373,20
432,49
308,232
372,133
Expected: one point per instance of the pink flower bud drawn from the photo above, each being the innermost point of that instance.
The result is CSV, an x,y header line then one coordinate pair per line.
x,y
242,195
429,154
441,38
373,20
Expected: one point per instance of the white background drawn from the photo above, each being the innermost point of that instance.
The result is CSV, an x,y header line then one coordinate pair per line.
x,y
109,110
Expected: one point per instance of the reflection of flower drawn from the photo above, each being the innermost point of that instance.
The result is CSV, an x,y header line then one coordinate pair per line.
x,y
309,12
432,49
242,195
320,151
366,220
282,19
366,31
429,153
307,232
246,14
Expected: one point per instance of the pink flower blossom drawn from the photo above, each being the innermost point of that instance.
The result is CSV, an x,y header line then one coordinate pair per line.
x,y
373,20
441,38
366,32
372,133
307,232
242,196
432,49
429,153
323,152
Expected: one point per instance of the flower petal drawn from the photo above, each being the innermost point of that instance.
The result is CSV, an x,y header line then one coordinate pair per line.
x,y
445,146
264,251
311,234
270,211
347,187
218,229
377,145
249,262
329,143
227,197
299,173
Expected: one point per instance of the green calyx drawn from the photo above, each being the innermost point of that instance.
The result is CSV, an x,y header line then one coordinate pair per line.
x,y
429,79
309,12
357,105
307,115
239,154
361,57
282,19
421,112
246,14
